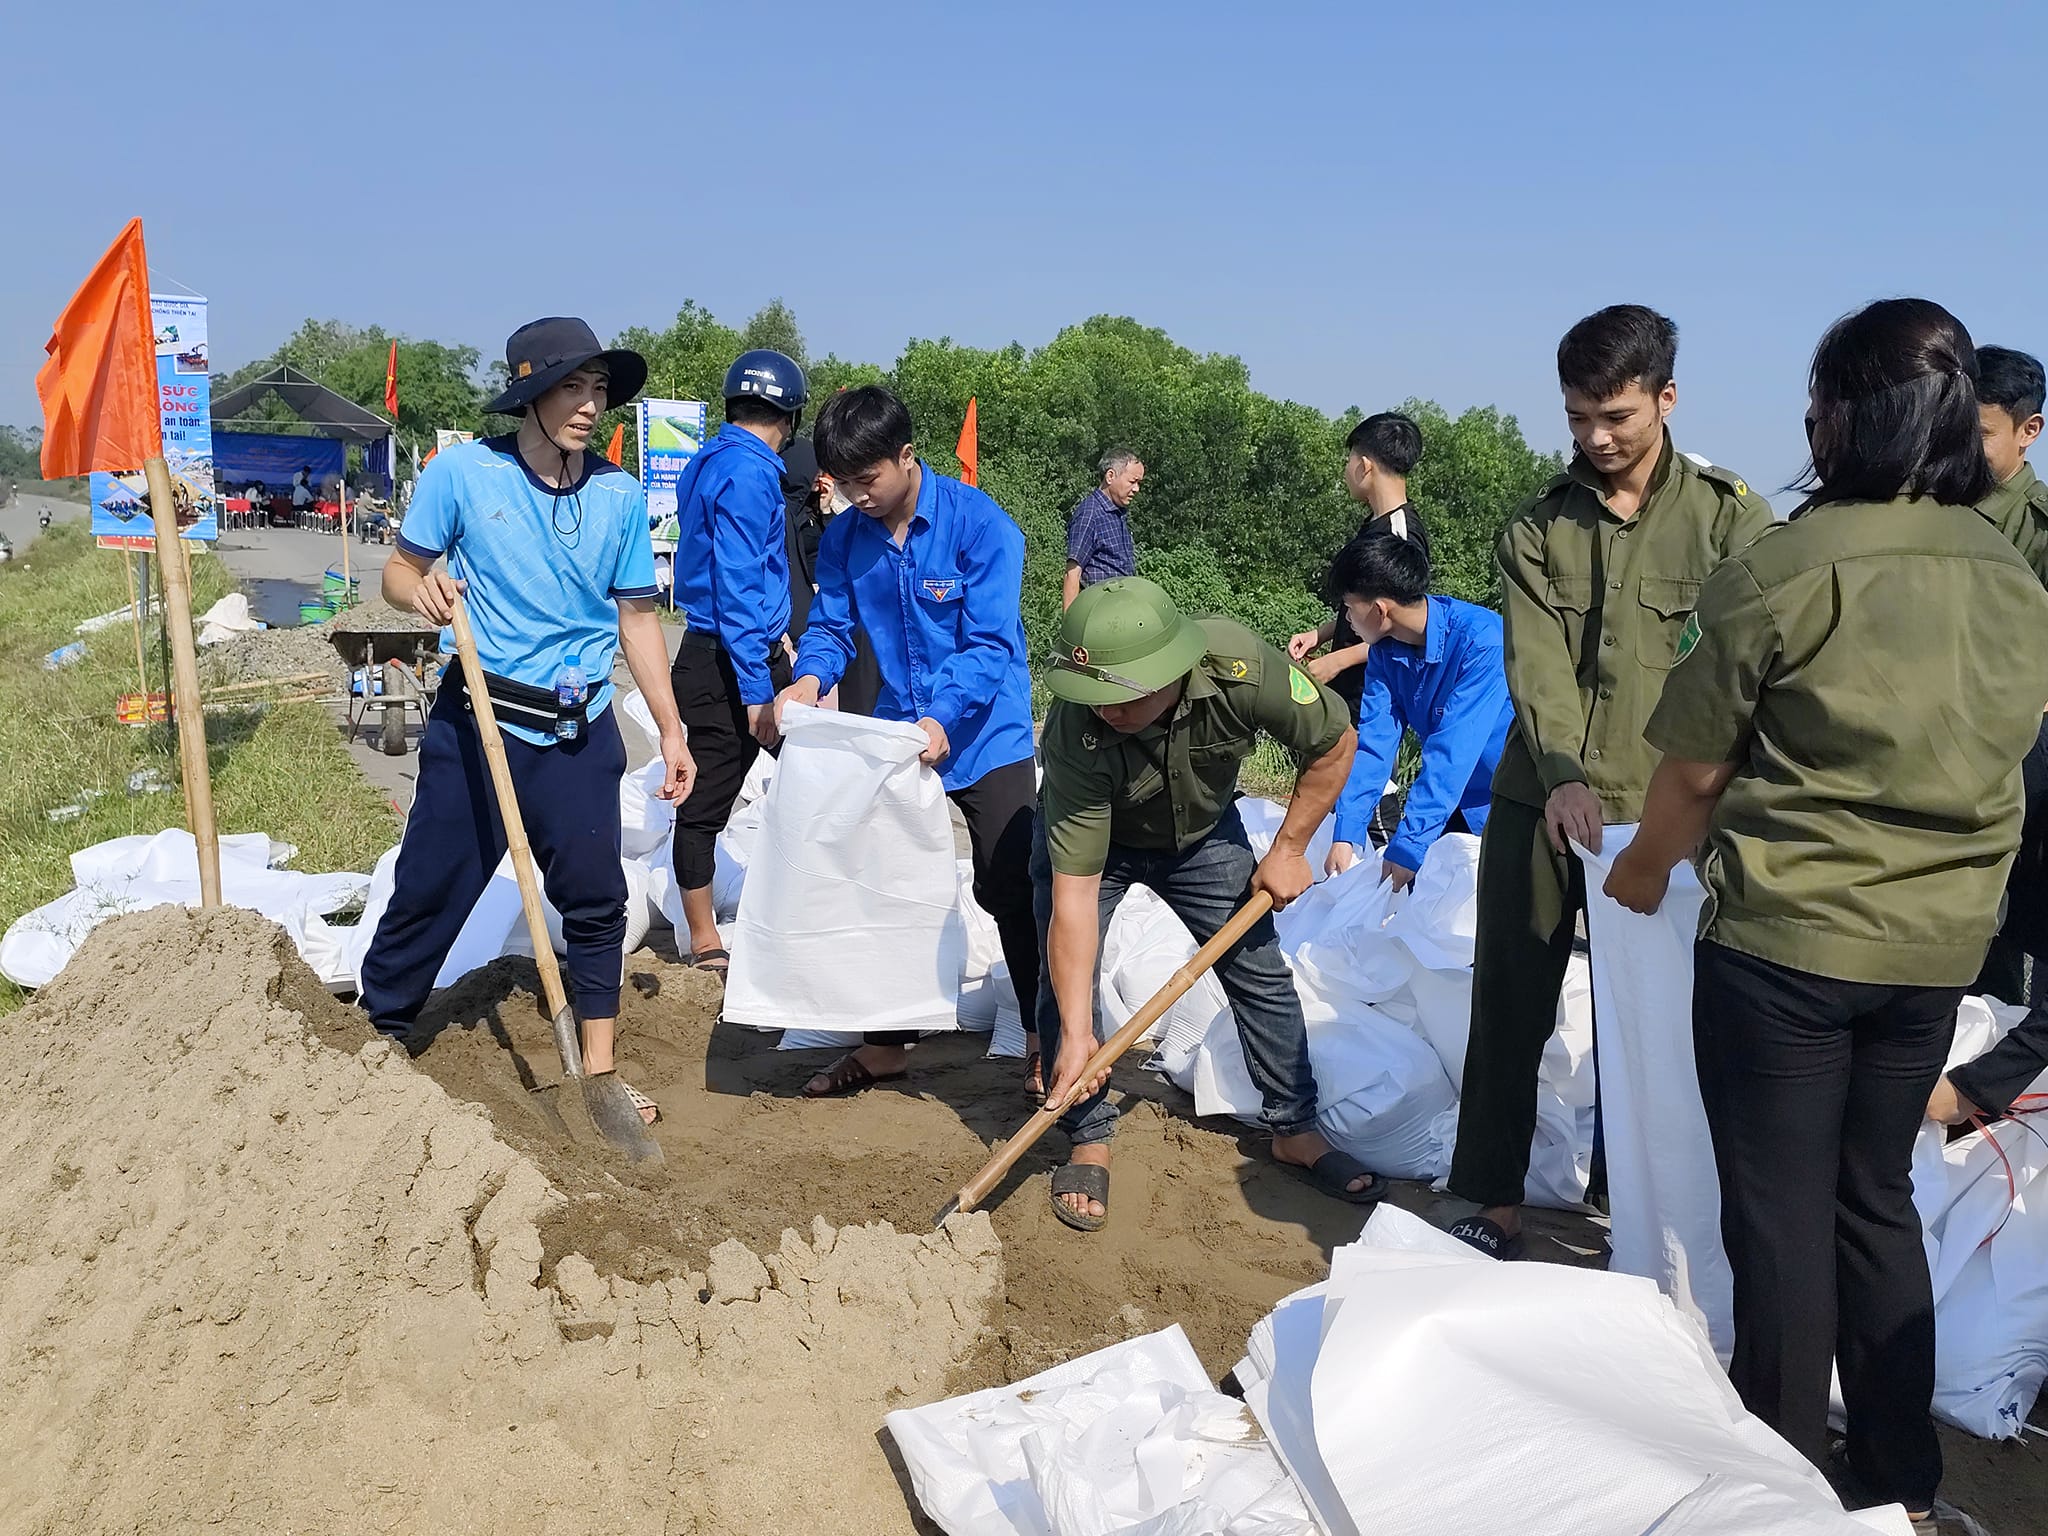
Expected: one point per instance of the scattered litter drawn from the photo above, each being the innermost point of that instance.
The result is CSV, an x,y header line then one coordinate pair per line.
x,y
147,781
65,655
103,620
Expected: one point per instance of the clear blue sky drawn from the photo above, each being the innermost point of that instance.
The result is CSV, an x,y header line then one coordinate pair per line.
x,y
1363,201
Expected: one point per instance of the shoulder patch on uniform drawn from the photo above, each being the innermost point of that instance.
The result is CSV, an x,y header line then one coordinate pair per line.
x,y
1688,637
1300,687
1727,477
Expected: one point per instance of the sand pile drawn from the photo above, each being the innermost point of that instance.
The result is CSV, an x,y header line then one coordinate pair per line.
x,y
258,1273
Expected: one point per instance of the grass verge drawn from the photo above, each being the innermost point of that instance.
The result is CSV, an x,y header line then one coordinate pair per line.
x,y
281,770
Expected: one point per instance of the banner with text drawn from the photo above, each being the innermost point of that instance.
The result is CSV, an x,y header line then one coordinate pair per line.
x,y
120,502
671,432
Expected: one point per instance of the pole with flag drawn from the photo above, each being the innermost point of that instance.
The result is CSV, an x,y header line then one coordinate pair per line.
x,y
617,451
968,449
391,383
100,411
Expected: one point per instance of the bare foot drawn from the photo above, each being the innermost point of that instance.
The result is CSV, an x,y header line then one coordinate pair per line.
x,y
1095,1154
1306,1150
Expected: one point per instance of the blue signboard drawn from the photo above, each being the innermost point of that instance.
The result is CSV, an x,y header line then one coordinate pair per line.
x,y
120,509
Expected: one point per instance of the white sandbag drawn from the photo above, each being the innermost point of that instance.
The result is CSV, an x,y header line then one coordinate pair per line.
x,y
135,873
1145,944
1262,820
1664,1196
850,916
646,821
1583,1402
1130,1439
519,942
227,619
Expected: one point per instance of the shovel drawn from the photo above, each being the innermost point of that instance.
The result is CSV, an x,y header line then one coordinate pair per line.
x,y
611,1111
976,1189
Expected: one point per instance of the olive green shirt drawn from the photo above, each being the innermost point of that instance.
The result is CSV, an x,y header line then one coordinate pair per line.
x,y
1877,672
1593,606
2018,508
1164,789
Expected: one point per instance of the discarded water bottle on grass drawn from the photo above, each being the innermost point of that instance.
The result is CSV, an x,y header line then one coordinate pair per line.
x,y
569,700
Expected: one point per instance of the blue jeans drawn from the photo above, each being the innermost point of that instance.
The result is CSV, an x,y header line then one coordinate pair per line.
x,y
1204,887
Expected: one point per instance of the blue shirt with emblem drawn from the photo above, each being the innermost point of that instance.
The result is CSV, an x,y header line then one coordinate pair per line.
x,y
943,612
731,565
1452,691
545,569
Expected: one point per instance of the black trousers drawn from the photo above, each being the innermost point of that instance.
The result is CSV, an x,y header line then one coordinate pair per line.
x,y
708,699
1529,899
998,808
1814,1090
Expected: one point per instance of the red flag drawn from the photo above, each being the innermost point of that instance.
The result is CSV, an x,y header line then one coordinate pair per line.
x,y
391,383
968,449
99,389
617,452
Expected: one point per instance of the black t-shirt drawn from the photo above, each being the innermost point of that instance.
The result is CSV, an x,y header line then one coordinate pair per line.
x,y
1401,522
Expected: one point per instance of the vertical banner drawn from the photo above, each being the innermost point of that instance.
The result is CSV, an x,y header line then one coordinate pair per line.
x,y
448,437
671,432
120,510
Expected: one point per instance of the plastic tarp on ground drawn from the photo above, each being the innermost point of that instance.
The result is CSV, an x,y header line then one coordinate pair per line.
x,y
1425,1387
853,860
1386,988
1130,1439
132,874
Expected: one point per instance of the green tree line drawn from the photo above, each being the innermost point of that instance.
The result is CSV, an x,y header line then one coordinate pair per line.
x,y
1243,503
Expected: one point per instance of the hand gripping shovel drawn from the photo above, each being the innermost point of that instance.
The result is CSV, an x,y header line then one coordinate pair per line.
x,y
611,1111
976,1189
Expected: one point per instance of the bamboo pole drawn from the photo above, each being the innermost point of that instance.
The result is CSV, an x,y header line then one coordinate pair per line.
x,y
177,579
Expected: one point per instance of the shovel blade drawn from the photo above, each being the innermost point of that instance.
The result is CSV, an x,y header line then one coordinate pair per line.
x,y
617,1119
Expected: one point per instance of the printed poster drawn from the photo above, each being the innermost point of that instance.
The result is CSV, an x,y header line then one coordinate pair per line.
x,y
120,505
671,432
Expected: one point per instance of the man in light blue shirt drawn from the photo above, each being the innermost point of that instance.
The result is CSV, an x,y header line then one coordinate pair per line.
x,y
933,571
547,542
1435,669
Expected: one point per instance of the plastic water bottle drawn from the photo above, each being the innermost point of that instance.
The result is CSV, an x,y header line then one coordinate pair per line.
x,y
569,698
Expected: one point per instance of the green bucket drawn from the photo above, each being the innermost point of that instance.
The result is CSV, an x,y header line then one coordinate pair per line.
x,y
315,613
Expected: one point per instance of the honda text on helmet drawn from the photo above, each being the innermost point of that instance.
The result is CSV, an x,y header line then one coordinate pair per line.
x,y
773,378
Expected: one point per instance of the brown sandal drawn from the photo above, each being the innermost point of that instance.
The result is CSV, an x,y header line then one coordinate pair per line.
x,y
1034,1075
849,1074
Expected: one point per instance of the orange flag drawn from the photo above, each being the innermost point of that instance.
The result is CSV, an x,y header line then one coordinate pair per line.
x,y
99,388
968,449
617,452
391,383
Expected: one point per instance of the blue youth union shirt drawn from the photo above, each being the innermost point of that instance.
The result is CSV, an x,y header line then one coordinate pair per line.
x,y
731,565
1452,691
944,615
545,571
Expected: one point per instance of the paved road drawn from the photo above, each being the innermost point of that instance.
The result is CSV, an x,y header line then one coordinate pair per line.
x,y
18,518
282,567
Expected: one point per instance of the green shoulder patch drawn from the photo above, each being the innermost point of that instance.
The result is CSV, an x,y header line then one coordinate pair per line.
x,y
1301,687
1688,637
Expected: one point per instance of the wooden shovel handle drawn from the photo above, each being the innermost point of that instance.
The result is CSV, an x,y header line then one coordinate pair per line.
x,y
976,1189
508,812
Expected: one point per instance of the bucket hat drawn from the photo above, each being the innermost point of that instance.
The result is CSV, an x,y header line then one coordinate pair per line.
x,y
1121,640
542,353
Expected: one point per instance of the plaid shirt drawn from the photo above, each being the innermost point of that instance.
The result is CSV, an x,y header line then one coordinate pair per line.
x,y
1099,539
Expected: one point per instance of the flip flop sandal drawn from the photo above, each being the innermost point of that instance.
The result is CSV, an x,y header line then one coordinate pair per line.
x,y
1489,1237
1090,1179
849,1074
641,1102
716,961
1034,1076
1334,1171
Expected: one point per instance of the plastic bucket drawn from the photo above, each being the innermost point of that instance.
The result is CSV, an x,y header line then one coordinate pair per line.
x,y
315,613
334,584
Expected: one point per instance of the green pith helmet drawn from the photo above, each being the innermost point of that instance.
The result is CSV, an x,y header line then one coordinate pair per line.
x,y
1121,640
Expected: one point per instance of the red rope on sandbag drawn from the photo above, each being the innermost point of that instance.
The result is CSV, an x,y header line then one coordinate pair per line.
x,y
2012,1186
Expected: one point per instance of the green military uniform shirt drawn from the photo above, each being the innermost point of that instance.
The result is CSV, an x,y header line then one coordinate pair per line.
x,y
1165,788
1593,606
2018,508
1878,672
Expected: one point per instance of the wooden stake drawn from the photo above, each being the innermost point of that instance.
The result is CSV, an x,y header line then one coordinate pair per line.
x,y
177,579
135,617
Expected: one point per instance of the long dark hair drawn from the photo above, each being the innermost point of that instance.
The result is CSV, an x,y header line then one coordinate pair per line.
x,y
1895,409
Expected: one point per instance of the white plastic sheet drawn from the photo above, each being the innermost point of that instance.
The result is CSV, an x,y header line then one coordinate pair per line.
x,y
1129,1440
1664,1196
132,874
227,619
1452,1393
850,917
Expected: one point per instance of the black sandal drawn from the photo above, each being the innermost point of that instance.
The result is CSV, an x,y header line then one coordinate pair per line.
x,y
1489,1237
716,961
849,1074
1034,1076
1090,1179
1333,1172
